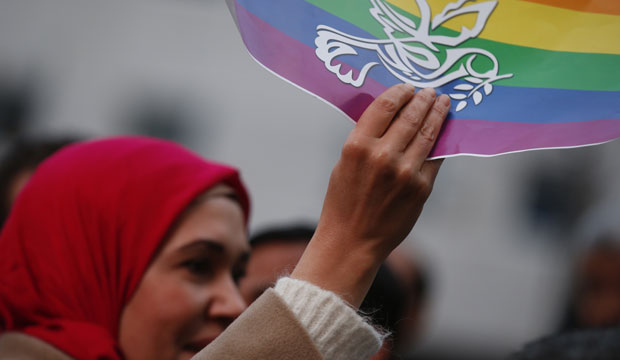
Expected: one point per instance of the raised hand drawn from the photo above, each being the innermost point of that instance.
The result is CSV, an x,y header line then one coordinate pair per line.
x,y
376,191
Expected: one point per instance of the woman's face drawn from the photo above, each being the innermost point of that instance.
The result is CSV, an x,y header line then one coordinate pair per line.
x,y
189,294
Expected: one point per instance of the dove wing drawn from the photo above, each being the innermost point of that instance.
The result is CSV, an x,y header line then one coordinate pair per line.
x,y
331,44
482,10
392,21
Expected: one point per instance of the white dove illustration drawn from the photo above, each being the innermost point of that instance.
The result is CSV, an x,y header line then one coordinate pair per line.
x,y
411,53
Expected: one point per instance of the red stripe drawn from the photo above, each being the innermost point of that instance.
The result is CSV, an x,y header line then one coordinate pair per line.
x,y
609,7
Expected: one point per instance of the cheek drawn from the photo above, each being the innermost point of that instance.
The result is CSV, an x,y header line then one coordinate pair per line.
x,y
161,317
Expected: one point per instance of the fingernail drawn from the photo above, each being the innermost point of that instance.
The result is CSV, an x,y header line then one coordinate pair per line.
x,y
443,100
409,86
430,91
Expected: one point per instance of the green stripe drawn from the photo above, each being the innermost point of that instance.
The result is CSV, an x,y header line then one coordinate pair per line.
x,y
532,67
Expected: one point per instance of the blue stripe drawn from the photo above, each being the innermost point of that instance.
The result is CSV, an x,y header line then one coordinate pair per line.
x,y
299,19
535,105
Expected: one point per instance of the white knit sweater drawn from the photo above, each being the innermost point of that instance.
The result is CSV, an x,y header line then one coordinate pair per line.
x,y
337,330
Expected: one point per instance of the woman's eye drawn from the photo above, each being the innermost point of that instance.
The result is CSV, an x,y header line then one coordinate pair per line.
x,y
238,275
199,267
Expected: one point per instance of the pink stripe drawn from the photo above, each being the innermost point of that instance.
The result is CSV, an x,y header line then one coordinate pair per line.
x,y
298,63
486,137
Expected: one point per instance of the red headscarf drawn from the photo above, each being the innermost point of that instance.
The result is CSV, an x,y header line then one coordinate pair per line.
x,y
83,232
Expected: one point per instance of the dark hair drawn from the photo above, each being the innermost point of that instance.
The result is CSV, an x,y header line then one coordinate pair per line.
x,y
602,344
290,233
23,154
421,284
385,301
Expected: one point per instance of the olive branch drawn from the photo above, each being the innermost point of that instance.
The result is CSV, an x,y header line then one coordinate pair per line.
x,y
471,90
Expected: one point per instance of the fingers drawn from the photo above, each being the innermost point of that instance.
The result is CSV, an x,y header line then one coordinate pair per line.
x,y
430,169
379,114
406,127
425,138
410,120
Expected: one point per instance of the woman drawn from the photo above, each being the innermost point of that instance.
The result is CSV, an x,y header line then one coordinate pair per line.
x,y
131,247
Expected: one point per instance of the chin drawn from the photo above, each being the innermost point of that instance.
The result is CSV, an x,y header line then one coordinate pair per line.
x,y
186,355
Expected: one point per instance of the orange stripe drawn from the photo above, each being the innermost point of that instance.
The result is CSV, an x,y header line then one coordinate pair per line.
x,y
611,7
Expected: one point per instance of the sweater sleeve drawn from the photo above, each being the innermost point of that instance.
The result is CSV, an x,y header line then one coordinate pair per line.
x,y
335,328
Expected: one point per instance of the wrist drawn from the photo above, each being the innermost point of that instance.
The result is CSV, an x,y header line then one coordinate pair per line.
x,y
333,264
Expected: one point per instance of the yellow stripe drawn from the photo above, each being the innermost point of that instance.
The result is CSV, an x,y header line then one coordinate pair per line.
x,y
539,26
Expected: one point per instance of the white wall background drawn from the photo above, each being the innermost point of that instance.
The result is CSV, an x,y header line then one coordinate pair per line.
x,y
499,282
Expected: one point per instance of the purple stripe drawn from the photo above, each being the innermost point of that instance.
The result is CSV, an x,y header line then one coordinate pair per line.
x,y
297,62
496,137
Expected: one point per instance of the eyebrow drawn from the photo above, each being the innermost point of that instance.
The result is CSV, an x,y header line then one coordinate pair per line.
x,y
203,244
211,246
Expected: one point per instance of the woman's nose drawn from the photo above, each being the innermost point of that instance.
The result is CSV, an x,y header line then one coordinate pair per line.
x,y
227,303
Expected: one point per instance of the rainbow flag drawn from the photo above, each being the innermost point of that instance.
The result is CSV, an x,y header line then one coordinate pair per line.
x,y
521,74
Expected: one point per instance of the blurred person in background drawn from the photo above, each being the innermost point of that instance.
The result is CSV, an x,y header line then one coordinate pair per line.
x,y
595,301
275,252
385,305
396,300
19,163
591,328
589,344
413,277
131,248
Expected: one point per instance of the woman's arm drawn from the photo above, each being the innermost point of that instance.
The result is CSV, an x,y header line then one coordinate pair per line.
x,y
376,191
